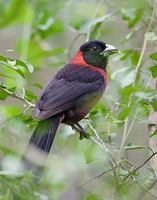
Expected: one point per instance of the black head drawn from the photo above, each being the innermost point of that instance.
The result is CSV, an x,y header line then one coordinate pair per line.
x,y
96,53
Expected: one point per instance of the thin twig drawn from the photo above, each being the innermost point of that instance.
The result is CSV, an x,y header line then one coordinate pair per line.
x,y
140,166
17,96
100,142
96,177
145,162
126,132
117,103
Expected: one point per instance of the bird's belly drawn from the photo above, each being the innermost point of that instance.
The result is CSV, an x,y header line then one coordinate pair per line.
x,y
82,108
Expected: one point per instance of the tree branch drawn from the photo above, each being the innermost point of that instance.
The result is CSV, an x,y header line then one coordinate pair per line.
x,y
140,166
17,96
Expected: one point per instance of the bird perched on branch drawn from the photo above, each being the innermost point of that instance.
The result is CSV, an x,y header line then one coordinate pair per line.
x,y
71,93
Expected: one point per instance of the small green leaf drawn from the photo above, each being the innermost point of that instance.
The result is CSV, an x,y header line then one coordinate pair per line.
x,y
17,65
25,64
29,67
154,105
133,147
131,55
93,197
126,91
3,95
151,36
37,85
153,56
45,25
129,78
115,73
122,116
153,134
134,57
132,15
30,96
129,35
86,27
153,70
11,62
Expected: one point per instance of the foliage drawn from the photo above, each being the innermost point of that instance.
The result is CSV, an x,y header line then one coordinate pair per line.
x,y
49,32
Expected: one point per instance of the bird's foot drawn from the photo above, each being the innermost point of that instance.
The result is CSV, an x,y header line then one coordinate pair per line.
x,y
83,134
81,131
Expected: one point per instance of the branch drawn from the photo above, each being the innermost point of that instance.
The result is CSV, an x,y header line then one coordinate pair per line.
x,y
96,177
145,162
17,96
140,166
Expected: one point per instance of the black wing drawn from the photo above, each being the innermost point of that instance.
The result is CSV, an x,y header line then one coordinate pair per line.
x,y
63,92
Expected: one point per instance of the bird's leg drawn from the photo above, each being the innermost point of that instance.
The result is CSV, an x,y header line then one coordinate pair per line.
x,y
79,129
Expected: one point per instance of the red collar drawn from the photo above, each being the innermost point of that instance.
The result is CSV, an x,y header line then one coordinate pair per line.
x,y
78,60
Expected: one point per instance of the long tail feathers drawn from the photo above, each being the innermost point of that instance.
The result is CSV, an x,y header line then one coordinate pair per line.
x,y
41,141
44,134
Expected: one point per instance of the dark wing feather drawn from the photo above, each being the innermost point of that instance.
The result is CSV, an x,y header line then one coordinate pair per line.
x,y
65,89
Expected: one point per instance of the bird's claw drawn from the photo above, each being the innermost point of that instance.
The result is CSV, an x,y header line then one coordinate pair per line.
x,y
83,135
77,127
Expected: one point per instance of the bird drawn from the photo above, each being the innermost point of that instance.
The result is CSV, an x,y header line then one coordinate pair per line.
x,y
71,94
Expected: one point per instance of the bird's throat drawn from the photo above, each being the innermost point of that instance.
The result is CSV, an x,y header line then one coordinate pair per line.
x,y
79,60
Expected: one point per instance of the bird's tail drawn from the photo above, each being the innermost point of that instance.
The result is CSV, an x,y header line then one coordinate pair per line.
x,y
41,141
44,134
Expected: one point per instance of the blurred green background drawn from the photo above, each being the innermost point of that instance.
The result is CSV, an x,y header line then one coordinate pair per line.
x,y
39,37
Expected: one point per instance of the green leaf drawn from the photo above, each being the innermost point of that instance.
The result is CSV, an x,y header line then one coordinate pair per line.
x,y
130,146
153,56
129,78
126,91
45,25
30,96
132,15
9,9
3,95
146,94
93,197
153,70
37,85
25,64
115,73
122,116
151,36
134,57
17,65
154,104
153,134
86,27
131,55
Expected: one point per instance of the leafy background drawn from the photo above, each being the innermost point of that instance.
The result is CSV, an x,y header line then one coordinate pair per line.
x,y
37,38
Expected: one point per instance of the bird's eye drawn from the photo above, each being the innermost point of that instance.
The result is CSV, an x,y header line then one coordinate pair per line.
x,y
94,48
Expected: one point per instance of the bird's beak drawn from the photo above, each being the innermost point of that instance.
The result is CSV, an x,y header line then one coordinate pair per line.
x,y
109,50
